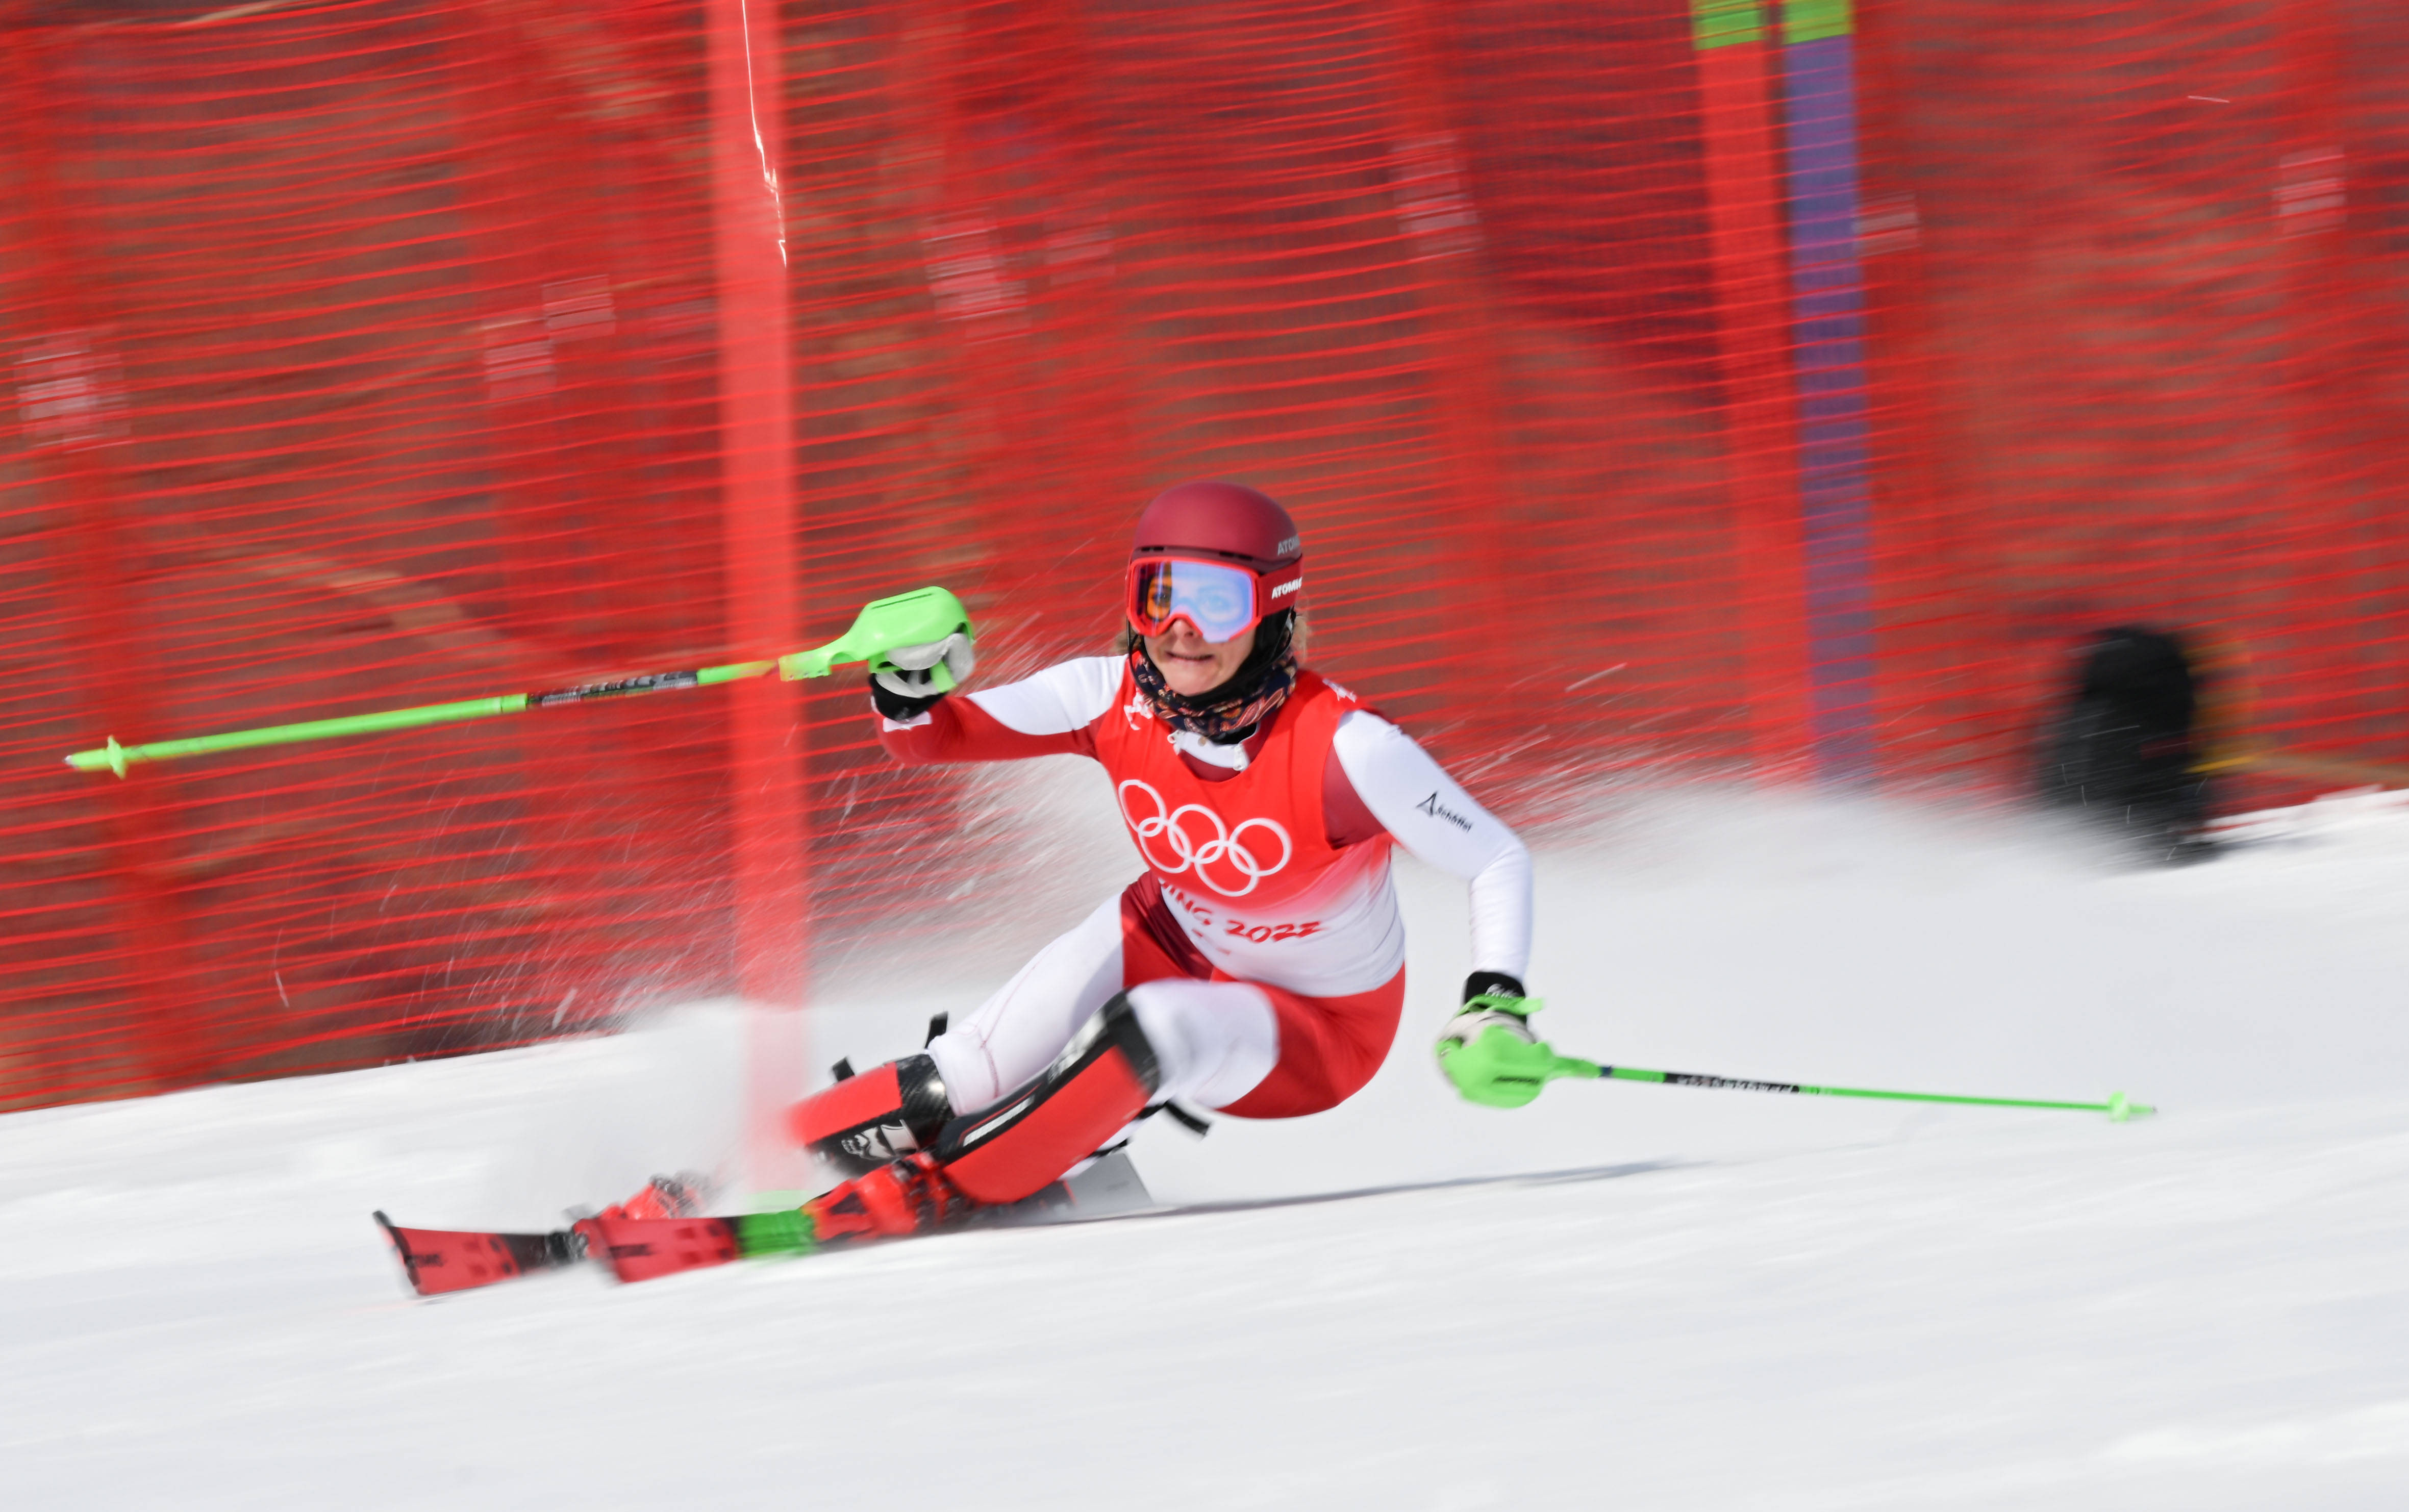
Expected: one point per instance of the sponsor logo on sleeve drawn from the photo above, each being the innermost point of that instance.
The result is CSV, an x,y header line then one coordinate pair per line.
x,y
1437,810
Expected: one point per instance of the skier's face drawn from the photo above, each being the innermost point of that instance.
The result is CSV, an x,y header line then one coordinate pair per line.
x,y
1194,665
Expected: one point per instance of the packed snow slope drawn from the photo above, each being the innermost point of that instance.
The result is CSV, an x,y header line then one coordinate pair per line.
x,y
1624,1296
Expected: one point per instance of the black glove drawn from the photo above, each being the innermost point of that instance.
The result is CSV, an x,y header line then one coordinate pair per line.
x,y
899,707
1491,985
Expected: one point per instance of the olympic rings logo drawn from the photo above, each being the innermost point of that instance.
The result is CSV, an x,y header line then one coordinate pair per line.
x,y
1226,846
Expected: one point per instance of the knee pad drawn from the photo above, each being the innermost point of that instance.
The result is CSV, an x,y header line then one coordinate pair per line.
x,y
1102,1079
865,1121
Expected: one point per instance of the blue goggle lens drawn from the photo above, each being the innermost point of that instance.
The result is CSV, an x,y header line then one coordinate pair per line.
x,y
1218,600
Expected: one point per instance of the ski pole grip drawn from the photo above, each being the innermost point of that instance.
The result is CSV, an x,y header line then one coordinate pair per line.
x,y
908,619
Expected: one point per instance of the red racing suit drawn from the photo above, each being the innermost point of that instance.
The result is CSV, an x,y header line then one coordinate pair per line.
x,y
1267,864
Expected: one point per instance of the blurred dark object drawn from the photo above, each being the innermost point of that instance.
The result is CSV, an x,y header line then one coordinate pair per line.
x,y
2122,752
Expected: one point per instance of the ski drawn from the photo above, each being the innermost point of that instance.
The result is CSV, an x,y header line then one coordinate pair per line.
x,y
440,1260
643,1250
443,1260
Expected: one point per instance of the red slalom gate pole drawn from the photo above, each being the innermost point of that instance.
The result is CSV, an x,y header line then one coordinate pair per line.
x,y
170,1046
767,750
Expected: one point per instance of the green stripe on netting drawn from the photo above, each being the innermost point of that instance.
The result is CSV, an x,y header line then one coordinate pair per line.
x,y
1721,24
1811,20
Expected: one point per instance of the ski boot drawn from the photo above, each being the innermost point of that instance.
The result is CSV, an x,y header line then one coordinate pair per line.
x,y
1098,1085
864,1122
955,1167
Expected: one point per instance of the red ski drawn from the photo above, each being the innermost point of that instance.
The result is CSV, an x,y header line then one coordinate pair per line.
x,y
641,1249
443,1260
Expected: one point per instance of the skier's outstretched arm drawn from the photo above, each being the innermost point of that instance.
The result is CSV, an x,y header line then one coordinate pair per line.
x,y
1046,714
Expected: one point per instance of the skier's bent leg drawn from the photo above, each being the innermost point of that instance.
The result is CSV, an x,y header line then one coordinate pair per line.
x,y
861,1123
1219,1044
1329,1048
1208,1041
1102,1081
1020,1029
1215,1042
1104,1078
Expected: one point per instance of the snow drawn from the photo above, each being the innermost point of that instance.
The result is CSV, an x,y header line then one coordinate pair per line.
x,y
1624,1295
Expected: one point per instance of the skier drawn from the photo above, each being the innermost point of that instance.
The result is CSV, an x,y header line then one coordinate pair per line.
x,y
1257,967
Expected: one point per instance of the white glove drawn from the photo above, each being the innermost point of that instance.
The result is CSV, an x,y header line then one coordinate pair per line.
x,y
926,673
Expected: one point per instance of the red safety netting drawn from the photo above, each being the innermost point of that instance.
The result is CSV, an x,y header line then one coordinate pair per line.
x,y
369,353
2145,349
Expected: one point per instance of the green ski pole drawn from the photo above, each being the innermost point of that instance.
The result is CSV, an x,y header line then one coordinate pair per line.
x,y
918,618
2117,1107
115,757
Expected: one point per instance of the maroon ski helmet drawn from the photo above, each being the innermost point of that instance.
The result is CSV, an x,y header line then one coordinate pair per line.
x,y
1218,554
1214,518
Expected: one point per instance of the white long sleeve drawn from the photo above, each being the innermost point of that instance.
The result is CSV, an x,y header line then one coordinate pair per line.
x,y
1064,696
1431,816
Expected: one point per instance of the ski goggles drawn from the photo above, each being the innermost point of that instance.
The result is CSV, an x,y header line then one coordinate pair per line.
x,y
1221,599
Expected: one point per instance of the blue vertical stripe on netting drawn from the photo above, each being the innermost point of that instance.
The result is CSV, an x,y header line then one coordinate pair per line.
x,y
1829,324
